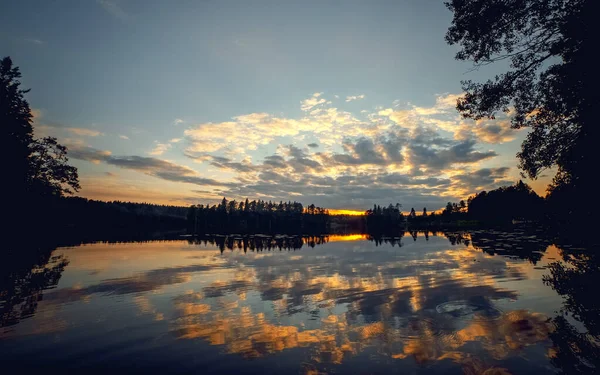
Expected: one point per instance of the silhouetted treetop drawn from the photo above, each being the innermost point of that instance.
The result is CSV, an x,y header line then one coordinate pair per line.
x,y
49,172
37,167
548,87
257,216
506,203
15,123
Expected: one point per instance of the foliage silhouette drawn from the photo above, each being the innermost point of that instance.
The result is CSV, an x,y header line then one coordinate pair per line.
x,y
548,88
100,220
257,216
576,352
257,243
38,167
572,279
384,219
50,175
24,275
504,204
573,352
528,245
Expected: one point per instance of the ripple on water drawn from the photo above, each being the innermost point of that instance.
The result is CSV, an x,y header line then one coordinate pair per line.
x,y
465,309
416,327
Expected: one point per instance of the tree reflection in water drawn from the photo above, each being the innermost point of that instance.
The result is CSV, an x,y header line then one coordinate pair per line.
x,y
576,352
23,278
398,320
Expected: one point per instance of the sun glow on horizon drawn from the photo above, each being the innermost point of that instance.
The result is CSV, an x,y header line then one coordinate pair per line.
x,y
346,212
346,237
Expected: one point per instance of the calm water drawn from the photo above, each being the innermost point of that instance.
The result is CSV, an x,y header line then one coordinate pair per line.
x,y
469,303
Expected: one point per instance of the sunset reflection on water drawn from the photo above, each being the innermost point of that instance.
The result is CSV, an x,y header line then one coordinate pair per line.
x,y
430,303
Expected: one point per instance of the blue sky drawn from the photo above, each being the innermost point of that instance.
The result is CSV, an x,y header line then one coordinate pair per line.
x,y
338,103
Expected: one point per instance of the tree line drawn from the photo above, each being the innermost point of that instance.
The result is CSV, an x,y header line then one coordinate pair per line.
x,y
505,205
384,219
257,216
102,220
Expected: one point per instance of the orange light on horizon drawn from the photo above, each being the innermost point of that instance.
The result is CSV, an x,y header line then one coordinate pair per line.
x,y
345,212
346,237
333,211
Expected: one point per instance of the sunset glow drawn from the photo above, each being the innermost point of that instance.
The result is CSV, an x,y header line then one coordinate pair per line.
x,y
346,237
346,212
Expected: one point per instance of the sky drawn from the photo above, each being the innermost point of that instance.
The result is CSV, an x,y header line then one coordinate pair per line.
x,y
343,104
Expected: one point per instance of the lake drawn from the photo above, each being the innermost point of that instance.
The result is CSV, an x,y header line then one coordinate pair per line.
x,y
480,302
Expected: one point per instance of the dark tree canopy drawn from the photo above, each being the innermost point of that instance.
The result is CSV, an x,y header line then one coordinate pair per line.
x,y
15,120
550,82
36,167
49,172
384,219
257,216
506,203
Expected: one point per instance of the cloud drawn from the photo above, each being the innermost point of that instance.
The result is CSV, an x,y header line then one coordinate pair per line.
x,y
275,161
44,128
113,8
443,116
394,155
248,132
150,166
122,188
148,281
443,104
482,179
362,152
354,97
84,132
34,41
366,173
226,163
424,156
160,149
178,121
162,169
312,102
123,137
437,159
402,179
490,131
352,191
87,153
300,161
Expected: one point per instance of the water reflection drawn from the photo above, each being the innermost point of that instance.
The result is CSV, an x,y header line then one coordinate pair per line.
x,y
576,350
23,279
470,302
258,242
